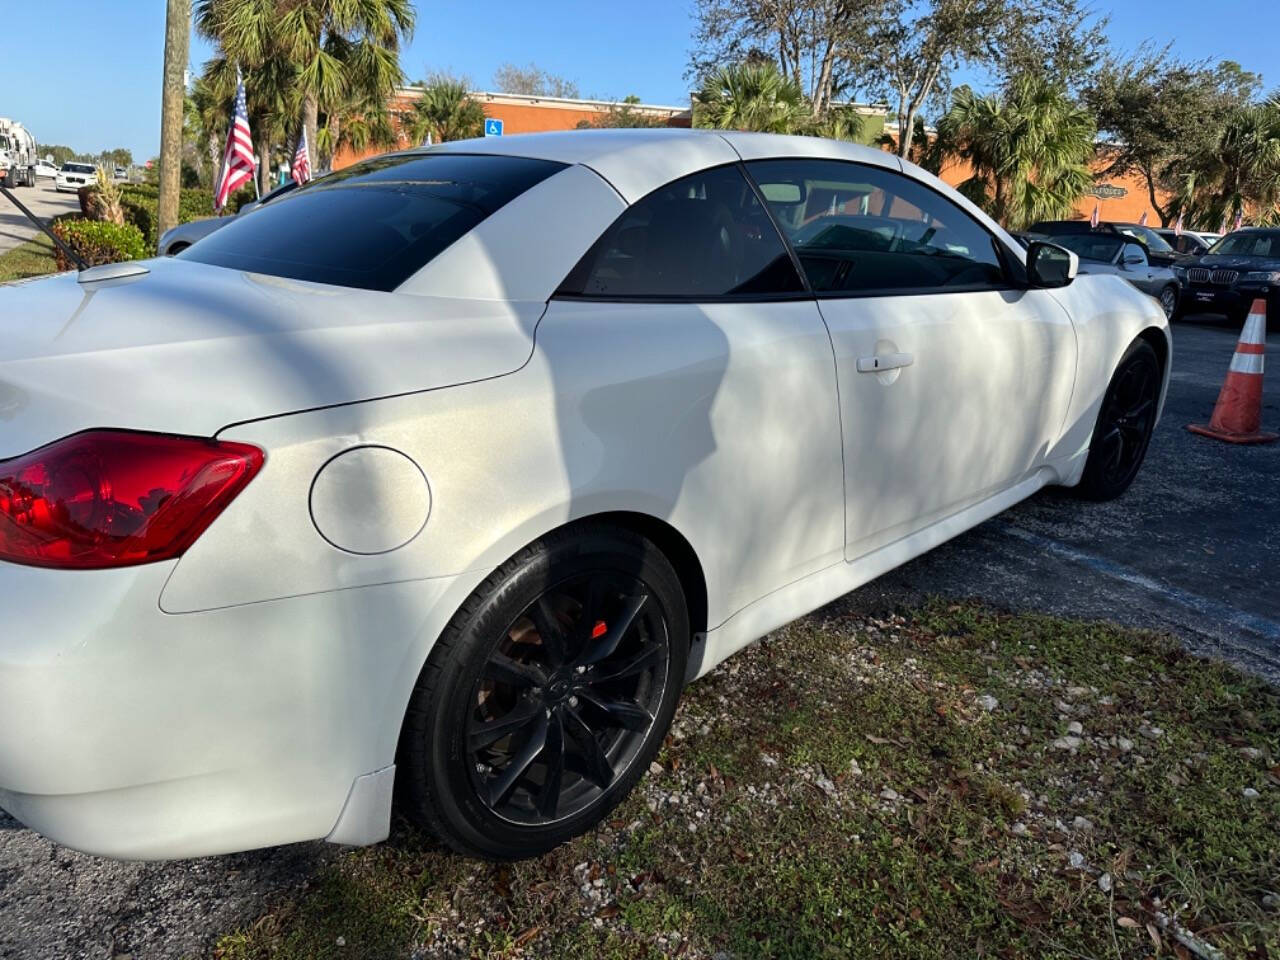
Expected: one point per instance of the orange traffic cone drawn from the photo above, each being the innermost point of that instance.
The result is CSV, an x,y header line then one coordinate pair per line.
x,y
1237,416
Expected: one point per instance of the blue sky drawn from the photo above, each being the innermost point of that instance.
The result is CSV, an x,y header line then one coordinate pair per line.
x,y
87,73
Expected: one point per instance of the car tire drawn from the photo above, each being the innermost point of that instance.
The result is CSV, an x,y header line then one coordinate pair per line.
x,y
1126,419
1169,301
10,180
577,647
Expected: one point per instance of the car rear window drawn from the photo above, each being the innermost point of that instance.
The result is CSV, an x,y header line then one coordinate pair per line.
x,y
374,224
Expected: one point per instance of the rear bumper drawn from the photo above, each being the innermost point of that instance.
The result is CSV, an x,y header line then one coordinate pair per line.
x,y
132,733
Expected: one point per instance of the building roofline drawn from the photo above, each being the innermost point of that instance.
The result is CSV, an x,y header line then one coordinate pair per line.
x,y
564,103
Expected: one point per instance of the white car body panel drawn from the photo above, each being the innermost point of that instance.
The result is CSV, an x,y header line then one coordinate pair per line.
x,y
251,692
506,463
634,162
919,441
496,261
201,347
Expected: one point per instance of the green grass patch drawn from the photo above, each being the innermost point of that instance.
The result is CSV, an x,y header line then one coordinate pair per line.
x,y
848,787
35,258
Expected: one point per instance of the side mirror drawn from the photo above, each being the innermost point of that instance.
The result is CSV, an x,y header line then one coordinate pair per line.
x,y
1049,265
1133,256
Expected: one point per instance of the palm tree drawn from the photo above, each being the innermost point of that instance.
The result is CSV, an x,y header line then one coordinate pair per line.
x,y
1239,172
836,123
358,123
204,126
176,41
1029,148
444,111
335,53
754,95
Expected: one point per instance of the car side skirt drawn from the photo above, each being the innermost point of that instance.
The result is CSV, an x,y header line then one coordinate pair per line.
x,y
795,600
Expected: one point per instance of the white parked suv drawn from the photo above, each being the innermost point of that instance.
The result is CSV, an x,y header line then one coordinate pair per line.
x,y
74,175
447,472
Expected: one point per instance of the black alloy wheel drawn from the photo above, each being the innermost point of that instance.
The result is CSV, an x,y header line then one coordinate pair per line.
x,y
547,696
1125,421
567,698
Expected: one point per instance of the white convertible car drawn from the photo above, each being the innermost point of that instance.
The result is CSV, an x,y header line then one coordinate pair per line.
x,y
441,477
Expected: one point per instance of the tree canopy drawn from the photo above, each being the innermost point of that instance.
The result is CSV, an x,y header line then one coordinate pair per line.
x,y
533,81
1157,113
1030,149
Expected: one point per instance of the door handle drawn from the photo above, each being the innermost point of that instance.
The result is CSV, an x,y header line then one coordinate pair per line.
x,y
884,361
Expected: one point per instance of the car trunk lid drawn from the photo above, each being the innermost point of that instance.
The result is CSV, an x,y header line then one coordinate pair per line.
x,y
191,348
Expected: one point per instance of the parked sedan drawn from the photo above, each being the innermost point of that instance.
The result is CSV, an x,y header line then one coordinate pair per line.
x,y
447,473
46,170
1109,253
73,176
1239,268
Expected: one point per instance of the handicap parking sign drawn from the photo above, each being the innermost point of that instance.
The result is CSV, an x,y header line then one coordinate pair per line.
x,y
492,127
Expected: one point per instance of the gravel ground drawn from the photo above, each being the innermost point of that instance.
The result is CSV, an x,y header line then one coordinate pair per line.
x,y
1192,549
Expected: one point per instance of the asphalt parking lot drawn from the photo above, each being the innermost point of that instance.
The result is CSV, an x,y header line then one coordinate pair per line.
x,y
42,200
1192,549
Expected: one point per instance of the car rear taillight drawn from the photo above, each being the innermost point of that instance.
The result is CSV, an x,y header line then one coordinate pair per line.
x,y
114,498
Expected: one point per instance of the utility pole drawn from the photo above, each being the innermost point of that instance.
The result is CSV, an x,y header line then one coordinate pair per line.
x,y
177,38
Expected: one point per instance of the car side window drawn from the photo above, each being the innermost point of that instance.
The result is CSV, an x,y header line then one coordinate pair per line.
x,y
703,237
863,230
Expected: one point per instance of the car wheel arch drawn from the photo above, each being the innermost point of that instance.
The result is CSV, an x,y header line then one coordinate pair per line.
x,y
673,544
1159,340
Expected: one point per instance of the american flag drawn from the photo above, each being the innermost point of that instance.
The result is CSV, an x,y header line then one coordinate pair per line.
x,y
301,160
1239,220
1093,220
1142,220
1177,227
237,161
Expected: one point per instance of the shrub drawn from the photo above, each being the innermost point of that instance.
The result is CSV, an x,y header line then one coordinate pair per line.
x,y
140,202
97,242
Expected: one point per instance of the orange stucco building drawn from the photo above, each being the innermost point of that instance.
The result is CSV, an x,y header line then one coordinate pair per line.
x,y
1121,199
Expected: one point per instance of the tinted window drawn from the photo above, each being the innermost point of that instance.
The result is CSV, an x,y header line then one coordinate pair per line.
x,y
1146,235
701,237
1253,244
863,229
1101,247
372,225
